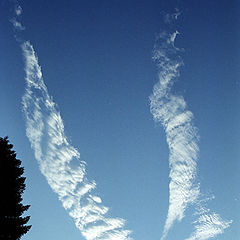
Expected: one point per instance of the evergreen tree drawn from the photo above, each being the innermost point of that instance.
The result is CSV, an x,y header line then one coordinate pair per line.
x,y
12,224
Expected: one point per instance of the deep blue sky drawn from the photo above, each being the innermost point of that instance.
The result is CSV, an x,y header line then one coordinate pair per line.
x,y
96,62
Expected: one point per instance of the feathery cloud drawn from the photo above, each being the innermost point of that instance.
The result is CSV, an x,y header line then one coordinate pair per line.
x,y
171,111
182,138
45,131
208,224
55,155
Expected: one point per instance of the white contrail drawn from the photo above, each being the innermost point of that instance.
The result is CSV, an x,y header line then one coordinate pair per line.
x,y
57,158
171,111
45,131
182,138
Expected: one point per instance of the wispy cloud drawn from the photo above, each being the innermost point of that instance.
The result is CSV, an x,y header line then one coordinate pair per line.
x,y
169,18
15,20
58,160
171,111
18,10
208,225
17,25
182,137
55,155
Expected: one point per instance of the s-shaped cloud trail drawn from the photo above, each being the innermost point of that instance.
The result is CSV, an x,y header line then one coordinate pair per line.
x,y
59,161
171,111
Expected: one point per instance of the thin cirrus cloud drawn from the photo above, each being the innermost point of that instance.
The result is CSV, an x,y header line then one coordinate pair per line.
x,y
208,225
56,156
45,131
182,138
170,110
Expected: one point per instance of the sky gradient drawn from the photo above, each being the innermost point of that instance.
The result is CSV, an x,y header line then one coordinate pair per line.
x,y
147,93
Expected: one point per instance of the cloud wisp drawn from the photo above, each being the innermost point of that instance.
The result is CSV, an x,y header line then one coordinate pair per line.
x,y
15,20
181,135
58,160
208,225
171,111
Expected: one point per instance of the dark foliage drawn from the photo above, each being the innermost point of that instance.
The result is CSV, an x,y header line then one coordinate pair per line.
x,y
12,224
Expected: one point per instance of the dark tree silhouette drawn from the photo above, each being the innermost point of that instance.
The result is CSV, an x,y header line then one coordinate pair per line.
x,y
12,223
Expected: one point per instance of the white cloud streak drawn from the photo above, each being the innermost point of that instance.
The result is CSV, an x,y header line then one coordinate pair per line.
x,y
182,138
55,155
60,162
171,111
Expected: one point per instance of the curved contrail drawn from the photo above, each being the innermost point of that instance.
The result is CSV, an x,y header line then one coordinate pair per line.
x,y
171,111
182,138
58,160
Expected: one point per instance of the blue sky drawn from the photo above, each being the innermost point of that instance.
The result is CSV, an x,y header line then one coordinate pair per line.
x,y
96,59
